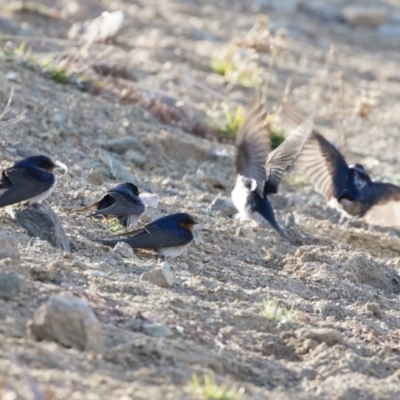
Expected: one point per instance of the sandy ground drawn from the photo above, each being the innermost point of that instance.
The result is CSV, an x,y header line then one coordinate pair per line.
x,y
342,341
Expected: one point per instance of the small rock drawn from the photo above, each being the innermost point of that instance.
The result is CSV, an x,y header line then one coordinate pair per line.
x,y
8,247
157,330
289,221
124,250
308,373
365,16
95,177
374,309
322,335
96,273
41,221
123,144
104,28
10,286
12,76
68,320
22,149
183,265
161,277
137,158
224,206
46,274
246,232
210,173
390,29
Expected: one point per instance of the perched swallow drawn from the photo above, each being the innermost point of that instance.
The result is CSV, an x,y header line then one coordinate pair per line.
x,y
169,235
259,170
122,202
30,179
348,188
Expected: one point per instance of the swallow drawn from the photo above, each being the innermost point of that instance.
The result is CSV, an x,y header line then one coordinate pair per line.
x,y
29,180
259,170
348,188
122,202
169,235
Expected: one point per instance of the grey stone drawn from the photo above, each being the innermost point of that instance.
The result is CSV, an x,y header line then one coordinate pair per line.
x,y
8,247
157,330
361,15
123,144
95,177
246,232
390,29
41,221
67,320
161,277
137,158
322,335
10,286
224,206
124,250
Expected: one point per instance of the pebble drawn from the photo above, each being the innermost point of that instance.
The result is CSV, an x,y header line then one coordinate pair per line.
x,y
41,221
161,277
137,158
124,250
123,144
246,232
224,206
157,330
10,286
95,178
365,16
8,247
68,320
322,335
96,273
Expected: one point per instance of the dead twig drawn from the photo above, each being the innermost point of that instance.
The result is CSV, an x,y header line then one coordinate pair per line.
x,y
11,121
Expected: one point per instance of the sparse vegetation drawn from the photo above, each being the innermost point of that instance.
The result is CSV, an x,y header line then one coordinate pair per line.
x,y
273,312
238,66
207,389
233,120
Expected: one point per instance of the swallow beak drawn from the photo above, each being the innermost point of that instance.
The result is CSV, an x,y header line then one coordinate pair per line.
x,y
59,165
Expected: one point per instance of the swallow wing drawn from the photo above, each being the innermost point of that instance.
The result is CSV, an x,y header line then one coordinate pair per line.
x,y
323,164
26,183
386,210
92,207
152,237
284,155
253,145
124,205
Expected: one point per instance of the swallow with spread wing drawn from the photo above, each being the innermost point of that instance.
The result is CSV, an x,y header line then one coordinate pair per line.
x,y
259,171
348,188
170,235
29,180
122,202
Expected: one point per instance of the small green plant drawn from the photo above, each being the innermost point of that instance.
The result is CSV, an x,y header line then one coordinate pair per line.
x,y
233,121
273,312
113,224
207,389
59,75
276,135
237,70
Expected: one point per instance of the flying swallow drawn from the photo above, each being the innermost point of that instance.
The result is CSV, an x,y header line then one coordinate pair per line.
x,y
259,170
169,235
30,179
122,202
348,188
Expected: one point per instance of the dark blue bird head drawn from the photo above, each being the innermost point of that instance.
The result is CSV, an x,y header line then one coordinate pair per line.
x,y
126,187
360,171
176,221
42,162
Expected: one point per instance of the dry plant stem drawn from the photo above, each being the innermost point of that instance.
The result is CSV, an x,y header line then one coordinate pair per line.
x,y
258,80
7,109
272,61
